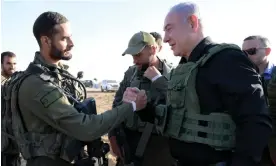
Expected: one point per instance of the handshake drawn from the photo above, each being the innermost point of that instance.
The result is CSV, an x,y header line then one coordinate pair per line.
x,y
134,95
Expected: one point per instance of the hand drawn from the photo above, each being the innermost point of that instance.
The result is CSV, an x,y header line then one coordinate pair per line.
x,y
137,96
151,72
141,100
130,94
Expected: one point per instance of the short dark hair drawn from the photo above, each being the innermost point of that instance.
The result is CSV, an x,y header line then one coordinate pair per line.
x,y
158,38
45,23
262,39
8,54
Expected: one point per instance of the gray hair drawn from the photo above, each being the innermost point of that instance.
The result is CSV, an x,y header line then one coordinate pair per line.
x,y
265,42
186,9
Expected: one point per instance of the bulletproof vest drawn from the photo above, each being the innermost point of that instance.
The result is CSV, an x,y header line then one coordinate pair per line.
x,y
31,144
183,115
141,82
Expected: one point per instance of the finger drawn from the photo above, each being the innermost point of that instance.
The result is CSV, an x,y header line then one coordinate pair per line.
x,y
132,94
135,89
142,92
128,88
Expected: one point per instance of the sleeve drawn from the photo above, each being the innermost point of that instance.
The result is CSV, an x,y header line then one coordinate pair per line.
x,y
48,103
241,92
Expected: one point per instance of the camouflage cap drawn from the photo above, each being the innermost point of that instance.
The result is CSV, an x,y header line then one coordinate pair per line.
x,y
138,42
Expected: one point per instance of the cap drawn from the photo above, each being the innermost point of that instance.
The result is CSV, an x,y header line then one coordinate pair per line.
x,y
138,42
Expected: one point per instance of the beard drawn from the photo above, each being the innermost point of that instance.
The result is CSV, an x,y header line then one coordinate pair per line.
x,y
57,54
8,72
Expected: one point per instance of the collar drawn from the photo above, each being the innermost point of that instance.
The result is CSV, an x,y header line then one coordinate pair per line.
x,y
3,78
201,49
38,59
268,71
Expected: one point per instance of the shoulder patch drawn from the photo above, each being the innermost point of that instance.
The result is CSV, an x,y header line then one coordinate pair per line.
x,y
50,97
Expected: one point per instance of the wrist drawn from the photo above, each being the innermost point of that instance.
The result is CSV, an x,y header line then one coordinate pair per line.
x,y
133,105
155,77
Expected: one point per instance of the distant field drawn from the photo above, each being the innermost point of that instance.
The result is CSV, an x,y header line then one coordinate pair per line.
x,y
104,102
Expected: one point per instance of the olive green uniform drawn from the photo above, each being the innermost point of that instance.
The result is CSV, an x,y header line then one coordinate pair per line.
x,y
157,150
52,121
10,152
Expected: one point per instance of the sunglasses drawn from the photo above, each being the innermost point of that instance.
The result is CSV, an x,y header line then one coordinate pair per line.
x,y
252,51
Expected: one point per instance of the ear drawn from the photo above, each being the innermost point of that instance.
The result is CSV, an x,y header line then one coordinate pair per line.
x,y
267,51
153,50
45,40
194,22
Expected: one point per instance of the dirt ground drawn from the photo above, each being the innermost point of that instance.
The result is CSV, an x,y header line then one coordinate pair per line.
x,y
104,102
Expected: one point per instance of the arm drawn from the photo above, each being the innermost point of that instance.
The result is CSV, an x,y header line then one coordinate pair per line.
x,y
48,103
241,92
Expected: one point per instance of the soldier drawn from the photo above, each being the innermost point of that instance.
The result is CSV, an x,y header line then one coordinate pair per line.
x,y
158,40
272,105
10,152
216,112
8,65
258,50
46,113
136,143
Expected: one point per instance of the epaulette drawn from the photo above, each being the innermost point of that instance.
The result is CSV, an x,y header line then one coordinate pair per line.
x,y
46,77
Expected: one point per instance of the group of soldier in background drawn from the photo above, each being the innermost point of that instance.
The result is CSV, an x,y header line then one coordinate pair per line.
x,y
217,107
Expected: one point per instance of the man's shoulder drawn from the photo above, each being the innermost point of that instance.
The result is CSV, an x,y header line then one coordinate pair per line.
x,y
130,71
230,57
224,48
227,51
35,82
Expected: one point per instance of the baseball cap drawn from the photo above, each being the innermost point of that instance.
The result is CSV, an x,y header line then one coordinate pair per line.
x,y
138,42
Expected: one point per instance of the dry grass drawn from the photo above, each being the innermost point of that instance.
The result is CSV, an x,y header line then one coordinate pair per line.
x,y
104,102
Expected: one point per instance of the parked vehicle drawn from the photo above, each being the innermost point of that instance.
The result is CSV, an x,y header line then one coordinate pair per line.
x,y
88,83
109,85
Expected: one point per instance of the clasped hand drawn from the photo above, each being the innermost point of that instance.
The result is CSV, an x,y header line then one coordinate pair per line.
x,y
137,96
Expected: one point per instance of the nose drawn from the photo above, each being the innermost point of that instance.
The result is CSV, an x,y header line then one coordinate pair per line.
x,y
135,60
70,42
166,38
13,66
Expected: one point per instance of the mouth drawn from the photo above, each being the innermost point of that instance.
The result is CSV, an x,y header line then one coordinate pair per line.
x,y
67,52
172,46
139,66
